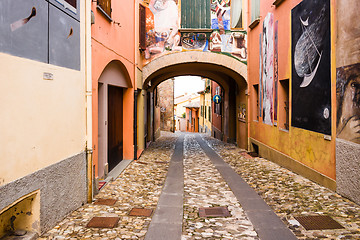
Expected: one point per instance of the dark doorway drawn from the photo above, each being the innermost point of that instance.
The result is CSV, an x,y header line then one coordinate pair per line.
x,y
115,126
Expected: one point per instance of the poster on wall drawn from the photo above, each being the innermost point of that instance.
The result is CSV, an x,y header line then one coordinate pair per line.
x,y
260,75
276,70
268,68
348,102
311,77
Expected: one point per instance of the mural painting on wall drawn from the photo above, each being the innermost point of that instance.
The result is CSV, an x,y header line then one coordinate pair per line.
x,y
268,69
45,31
348,102
311,78
276,69
222,39
162,24
260,75
162,31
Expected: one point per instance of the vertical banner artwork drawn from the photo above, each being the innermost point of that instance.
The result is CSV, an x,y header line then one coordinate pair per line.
x,y
276,70
260,75
348,71
268,68
311,77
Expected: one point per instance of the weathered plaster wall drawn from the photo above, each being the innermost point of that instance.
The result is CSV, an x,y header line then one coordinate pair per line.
x,y
348,169
166,103
62,189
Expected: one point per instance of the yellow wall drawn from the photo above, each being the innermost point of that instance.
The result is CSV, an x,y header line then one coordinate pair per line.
x,y
42,121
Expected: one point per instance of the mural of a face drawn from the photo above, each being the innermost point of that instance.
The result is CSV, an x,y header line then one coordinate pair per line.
x,y
348,102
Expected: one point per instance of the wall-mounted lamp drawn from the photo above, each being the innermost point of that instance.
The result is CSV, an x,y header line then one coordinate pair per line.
x,y
92,17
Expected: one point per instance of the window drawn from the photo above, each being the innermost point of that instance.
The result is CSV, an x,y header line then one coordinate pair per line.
x,y
236,14
105,7
71,2
255,10
256,93
209,114
195,14
142,27
205,111
284,105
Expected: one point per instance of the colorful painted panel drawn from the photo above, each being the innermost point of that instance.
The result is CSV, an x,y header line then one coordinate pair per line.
x,y
162,24
348,102
163,35
233,43
260,75
220,15
311,78
276,70
268,68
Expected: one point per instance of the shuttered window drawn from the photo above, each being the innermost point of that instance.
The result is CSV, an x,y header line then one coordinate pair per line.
x,y
142,27
195,14
105,5
255,10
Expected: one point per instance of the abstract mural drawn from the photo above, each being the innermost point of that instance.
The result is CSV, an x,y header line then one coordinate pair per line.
x,y
45,31
348,102
163,35
220,15
276,69
268,69
311,78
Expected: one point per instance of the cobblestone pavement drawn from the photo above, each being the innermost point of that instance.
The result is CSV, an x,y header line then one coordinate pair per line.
x,y
204,187
291,195
139,186
141,183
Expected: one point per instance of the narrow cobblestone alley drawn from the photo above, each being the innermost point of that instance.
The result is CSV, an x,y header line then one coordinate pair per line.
x,y
205,185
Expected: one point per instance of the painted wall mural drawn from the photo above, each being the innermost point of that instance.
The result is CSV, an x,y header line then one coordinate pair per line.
x,y
311,77
348,72
163,35
45,31
220,15
268,69
276,70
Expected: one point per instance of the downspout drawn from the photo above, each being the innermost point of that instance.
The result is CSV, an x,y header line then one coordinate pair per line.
x,y
135,123
88,88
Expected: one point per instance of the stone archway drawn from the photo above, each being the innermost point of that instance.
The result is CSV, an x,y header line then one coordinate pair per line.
x,y
225,70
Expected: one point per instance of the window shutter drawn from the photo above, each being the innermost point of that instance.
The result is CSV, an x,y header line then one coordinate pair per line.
x,y
105,5
142,27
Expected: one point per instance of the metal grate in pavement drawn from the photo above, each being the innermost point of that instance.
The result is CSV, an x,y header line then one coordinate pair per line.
x,y
318,222
107,202
141,212
103,222
214,212
161,162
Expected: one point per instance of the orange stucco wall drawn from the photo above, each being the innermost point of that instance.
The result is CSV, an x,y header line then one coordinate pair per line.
x,y
307,147
114,41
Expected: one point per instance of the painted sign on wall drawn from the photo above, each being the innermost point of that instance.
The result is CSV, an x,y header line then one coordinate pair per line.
x,y
311,78
268,68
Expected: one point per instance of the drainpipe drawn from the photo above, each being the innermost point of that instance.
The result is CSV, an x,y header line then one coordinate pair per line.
x,y
88,99
135,124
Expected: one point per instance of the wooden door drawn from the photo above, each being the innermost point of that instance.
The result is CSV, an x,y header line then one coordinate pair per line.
x,y
115,126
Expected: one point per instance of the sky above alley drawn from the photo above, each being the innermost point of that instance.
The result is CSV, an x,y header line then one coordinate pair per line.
x,y
188,84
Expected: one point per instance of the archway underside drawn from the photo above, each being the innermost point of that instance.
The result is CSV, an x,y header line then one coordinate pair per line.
x,y
226,71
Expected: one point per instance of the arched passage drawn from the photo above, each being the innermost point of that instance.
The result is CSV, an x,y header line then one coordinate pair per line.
x,y
228,72
114,94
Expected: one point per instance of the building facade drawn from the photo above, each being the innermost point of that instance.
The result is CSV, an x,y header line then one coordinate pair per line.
x,y
45,145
